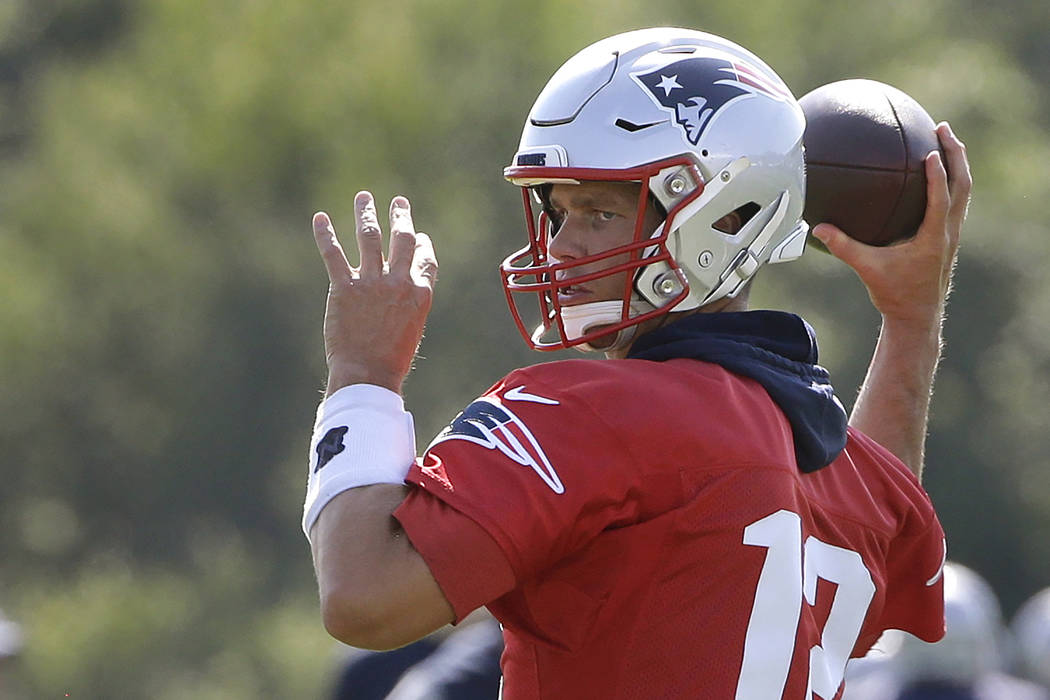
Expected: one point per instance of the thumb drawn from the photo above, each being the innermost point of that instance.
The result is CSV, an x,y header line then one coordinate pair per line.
x,y
839,244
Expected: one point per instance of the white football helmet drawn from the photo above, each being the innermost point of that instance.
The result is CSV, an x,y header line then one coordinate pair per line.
x,y
973,640
1031,629
708,129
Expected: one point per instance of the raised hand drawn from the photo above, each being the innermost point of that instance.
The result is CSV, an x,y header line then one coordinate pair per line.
x,y
376,311
910,281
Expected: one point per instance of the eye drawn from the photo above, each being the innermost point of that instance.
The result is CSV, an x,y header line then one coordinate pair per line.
x,y
606,215
556,217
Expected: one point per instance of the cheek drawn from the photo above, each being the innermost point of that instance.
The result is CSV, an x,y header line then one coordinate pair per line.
x,y
653,219
623,233
623,237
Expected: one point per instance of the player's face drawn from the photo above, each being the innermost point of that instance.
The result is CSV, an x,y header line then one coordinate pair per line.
x,y
591,218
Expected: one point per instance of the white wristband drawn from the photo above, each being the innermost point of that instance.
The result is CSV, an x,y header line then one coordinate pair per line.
x,y
363,435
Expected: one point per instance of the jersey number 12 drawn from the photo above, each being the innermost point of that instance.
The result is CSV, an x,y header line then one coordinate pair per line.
x,y
790,572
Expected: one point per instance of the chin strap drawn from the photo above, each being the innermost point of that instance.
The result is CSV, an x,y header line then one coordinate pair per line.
x,y
579,320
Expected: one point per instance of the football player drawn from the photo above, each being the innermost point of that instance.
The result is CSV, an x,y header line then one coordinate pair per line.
x,y
692,517
967,664
1031,629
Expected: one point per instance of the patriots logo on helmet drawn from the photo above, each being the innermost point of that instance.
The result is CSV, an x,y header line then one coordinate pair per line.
x,y
487,422
695,89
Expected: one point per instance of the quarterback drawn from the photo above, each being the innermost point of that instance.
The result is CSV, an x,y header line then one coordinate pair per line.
x,y
693,516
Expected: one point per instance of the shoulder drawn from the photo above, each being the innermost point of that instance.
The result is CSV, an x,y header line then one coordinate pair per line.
x,y
680,407
572,376
877,462
879,486
632,381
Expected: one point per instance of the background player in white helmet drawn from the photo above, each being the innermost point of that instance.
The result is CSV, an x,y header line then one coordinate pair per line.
x,y
1031,631
969,663
692,517
11,644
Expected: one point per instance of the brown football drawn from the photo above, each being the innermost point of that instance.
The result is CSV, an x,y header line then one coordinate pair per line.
x,y
866,143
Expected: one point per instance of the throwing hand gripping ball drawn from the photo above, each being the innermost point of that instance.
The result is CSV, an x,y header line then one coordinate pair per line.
x,y
866,143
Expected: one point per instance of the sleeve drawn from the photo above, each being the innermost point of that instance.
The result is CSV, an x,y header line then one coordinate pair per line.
x,y
533,466
467,564
915,578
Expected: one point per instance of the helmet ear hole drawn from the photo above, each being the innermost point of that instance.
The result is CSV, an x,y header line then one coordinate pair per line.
x,y
735,220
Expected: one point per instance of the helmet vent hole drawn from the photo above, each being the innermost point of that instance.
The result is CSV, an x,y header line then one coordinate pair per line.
x,y
735,220
704,153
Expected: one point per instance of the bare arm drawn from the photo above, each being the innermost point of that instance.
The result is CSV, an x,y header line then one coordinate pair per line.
x,y
376,590
894,400
909,284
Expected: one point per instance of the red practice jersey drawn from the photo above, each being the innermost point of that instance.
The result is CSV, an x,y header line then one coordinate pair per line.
x,y
641,530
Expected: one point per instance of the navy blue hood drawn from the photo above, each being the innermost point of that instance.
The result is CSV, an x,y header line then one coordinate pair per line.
x,y
776,349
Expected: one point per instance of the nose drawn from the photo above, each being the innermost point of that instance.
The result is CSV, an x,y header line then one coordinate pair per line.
x,y
566,243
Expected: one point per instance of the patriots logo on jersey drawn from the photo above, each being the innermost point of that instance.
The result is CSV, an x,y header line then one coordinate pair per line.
x,y
329,446
695,89
490,424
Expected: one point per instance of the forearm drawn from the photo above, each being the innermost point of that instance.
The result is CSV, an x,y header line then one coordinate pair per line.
x,y
909,283
376,591
894,400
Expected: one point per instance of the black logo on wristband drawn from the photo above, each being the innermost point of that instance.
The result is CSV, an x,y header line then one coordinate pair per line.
x,y
329,446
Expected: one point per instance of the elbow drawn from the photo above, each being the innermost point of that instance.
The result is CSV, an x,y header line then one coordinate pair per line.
x,y
357,620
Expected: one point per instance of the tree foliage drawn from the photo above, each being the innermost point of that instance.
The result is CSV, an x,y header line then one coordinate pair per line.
x,y
160,332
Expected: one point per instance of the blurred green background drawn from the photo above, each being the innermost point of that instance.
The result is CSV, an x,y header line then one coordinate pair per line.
x,y
161,296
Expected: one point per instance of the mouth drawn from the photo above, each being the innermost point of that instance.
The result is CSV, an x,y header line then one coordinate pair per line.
x,y
572,295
